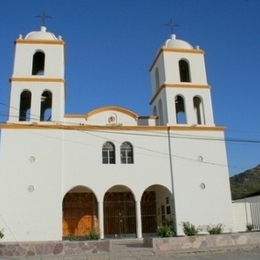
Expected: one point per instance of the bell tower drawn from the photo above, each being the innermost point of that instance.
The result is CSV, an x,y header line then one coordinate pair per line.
x,y
180,92
37,85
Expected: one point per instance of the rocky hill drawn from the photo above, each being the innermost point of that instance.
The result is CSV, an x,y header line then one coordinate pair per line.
x,y
246,183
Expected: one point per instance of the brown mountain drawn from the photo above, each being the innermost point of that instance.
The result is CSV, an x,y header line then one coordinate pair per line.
x,y
246,183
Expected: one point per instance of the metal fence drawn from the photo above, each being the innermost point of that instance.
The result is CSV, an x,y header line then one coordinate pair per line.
x,y
255,215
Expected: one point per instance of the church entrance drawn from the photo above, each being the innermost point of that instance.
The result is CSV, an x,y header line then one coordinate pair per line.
x,y
148,209
119,213
157,208
80,212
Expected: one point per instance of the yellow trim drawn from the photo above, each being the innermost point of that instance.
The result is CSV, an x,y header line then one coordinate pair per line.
x,y
114,108
166,49
197,51
37,79
180,85
79,127
25,41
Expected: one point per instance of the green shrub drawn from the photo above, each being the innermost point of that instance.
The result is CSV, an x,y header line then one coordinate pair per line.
x,y
249,227
215,229
93,234
72,237
189,229
165,231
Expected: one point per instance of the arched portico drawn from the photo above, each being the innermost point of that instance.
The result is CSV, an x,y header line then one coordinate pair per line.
x,y
119,212
157,208
80,212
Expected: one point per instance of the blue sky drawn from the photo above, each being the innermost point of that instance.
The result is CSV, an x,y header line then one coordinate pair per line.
x,y
110,45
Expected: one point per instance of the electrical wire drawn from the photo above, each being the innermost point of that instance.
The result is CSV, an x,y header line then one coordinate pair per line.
x,y
72,126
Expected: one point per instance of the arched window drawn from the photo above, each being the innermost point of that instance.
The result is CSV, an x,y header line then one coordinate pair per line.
x,y
180,110
157,79
108,153
46,106
160,112
25,106
184,71
126,151
198,108
38,63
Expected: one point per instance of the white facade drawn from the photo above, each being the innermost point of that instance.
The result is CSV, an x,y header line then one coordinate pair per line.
x,y
110,170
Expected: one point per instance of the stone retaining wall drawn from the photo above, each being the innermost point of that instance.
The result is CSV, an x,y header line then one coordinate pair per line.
x,y
203,241
54,248
63,248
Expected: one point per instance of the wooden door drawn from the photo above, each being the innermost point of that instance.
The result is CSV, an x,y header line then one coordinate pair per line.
x,y
79,214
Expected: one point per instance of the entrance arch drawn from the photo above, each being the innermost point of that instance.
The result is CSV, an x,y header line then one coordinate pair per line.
x,y
119,213
157,208
80,212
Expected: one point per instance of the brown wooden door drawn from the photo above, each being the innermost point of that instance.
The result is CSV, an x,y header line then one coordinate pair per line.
x,y
79,214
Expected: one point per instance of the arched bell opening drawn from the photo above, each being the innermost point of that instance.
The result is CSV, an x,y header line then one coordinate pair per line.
x,y
25,106
46,106
184,71
38,63
199,110
180,110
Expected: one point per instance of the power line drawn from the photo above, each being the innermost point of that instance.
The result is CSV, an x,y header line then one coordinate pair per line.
x,y
229,139
71,126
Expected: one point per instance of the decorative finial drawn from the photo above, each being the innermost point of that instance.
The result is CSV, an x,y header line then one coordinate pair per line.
x,y
43,16
171,25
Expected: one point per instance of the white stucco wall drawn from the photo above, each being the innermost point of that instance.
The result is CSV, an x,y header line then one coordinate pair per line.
x,y
31,192
54,59
197,160
196,65
65,159
58,96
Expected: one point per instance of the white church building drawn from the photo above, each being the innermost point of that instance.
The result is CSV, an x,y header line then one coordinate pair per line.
x,y
110,169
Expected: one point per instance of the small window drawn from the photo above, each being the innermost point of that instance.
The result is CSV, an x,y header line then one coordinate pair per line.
x,y
108,153
184,71
38,63
127,153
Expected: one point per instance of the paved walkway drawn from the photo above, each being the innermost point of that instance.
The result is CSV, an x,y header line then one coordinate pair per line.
x,y
134,249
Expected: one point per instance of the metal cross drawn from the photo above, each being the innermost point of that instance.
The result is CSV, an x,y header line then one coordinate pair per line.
x,y
43,16
171,25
